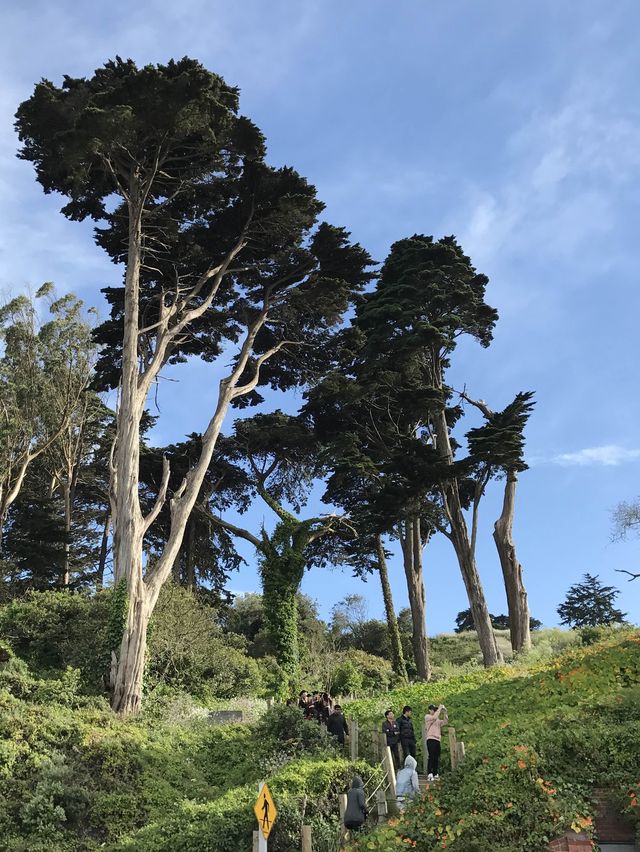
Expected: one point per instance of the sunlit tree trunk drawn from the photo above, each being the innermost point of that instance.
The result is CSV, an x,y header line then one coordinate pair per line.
x,y
519,622
465,552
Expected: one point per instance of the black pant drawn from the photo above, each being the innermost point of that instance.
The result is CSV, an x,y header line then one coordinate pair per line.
x,y
433,764
409,748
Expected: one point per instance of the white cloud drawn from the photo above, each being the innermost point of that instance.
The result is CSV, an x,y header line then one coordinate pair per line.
x,y
609,455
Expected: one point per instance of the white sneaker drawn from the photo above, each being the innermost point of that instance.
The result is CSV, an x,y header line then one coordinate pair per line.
x,y
430,777
436,777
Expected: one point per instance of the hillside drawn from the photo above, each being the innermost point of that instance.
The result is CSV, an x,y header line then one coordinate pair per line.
x,y
538,740
74,777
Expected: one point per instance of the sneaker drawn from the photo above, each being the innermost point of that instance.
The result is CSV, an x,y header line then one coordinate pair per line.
x,y
430,777
436,777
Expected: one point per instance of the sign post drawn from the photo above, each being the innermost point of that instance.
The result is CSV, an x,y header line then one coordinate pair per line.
x,y
266,813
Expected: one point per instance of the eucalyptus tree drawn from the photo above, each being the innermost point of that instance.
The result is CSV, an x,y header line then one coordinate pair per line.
x,y
207,553
45,370
497,449
222,255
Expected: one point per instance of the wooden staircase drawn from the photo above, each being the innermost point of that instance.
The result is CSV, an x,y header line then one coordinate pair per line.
x,y
424,784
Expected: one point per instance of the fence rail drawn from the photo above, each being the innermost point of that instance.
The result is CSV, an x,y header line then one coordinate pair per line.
x,y
370,743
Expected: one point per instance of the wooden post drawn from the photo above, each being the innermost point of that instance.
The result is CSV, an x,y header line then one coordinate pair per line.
x,y
425,752
353,739
256,840
342,804
306,838
375,744
460,753
453,748
381,801
390,769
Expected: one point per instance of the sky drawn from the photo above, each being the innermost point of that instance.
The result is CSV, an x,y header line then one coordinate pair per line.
x,y
514,126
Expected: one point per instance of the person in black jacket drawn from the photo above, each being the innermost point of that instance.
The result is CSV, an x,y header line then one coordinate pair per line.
x,y
337,724
356,810
392,732
407,734
325,709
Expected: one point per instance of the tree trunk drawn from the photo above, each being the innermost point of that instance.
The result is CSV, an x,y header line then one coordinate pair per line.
x,y
190,574
397,657
104,549
459,535
127,692
281,578
512,569
411,541
66,495
128,521
129,524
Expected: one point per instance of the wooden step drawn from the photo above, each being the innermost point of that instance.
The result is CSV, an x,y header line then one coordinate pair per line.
x,y
424,784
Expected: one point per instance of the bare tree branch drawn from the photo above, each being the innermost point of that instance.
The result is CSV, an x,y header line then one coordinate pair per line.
x,y
162,495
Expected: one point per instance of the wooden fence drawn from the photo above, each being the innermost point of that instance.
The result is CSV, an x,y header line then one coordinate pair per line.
x,y
369,743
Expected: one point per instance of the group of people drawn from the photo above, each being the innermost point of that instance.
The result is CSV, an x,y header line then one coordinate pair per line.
x,y
318,707
399,734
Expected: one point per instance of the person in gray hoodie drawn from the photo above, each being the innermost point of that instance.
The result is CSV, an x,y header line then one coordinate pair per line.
x,y
356,810
407,784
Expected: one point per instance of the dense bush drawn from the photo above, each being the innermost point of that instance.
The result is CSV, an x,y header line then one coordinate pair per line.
x,y
186,650
356,672
53,630
306,790
536,742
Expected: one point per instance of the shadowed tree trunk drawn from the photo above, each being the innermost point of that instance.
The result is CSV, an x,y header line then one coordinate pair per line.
x,y
465,551
104,549
397,657
411,541
519,622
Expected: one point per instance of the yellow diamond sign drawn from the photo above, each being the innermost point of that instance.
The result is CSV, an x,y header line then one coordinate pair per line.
x,y
265,811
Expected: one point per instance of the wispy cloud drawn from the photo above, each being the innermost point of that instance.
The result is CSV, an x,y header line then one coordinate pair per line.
x,y
608,455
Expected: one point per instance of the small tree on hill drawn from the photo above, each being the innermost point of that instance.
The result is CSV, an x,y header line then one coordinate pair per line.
x,y
590,604
464,622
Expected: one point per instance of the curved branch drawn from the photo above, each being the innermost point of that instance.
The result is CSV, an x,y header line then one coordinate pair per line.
x,y
162,495
238,531
630,573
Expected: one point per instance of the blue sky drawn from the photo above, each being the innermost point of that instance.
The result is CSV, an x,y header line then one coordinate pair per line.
x,y
515,126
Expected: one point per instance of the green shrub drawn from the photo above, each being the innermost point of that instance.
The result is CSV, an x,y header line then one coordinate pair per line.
x,y
306,786
284,730
537,741
53,630
360,673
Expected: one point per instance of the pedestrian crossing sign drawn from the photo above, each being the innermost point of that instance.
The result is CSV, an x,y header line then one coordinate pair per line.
x,y
265,811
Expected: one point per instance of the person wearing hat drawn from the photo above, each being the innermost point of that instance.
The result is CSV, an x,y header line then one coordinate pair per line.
x,y
433,725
